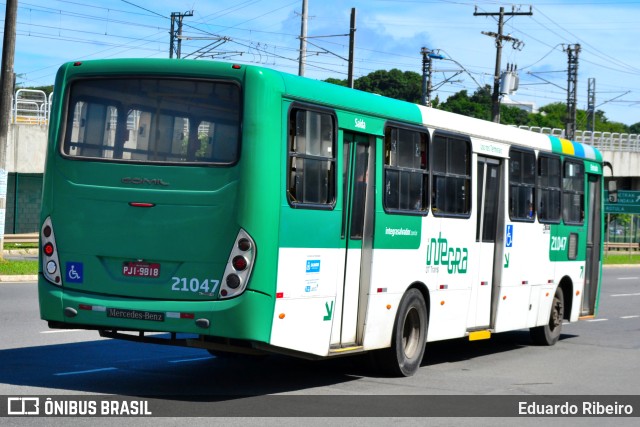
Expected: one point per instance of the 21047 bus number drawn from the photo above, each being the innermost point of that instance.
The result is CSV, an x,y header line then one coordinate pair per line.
x,y
184,284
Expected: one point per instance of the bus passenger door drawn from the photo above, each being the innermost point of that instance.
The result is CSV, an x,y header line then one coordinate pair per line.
x,y
357,231
490,221
594,237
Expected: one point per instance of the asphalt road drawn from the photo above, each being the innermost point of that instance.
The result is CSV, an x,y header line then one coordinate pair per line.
x,y
594,357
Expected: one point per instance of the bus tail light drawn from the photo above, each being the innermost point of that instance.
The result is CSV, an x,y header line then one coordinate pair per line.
x,y
49,252
239,266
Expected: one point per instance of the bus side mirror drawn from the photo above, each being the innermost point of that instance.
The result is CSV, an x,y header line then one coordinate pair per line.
x,y
613,191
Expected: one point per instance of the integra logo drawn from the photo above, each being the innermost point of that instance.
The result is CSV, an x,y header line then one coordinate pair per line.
x,y
144,181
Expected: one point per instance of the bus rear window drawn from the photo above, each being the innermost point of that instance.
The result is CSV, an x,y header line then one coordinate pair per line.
x,y
153,121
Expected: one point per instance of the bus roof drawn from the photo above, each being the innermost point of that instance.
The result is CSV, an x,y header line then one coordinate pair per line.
x,y
327,94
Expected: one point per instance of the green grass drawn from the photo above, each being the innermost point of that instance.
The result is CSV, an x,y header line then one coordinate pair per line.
x,y
8,246
613,258
13,267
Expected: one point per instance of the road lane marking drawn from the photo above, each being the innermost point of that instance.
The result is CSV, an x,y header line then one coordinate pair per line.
x,y
90,371
628,278
57,331
597,320
190,360
630,317
626,295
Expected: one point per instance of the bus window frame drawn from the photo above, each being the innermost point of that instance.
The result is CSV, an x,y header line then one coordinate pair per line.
x,y
469,177
540,188
426,172
333,184
520,183
67,114
580,191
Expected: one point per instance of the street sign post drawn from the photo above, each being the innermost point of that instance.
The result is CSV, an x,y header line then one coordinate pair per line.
x,y
628,202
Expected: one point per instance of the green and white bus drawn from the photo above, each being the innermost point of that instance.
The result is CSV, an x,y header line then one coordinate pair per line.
x,y
236,208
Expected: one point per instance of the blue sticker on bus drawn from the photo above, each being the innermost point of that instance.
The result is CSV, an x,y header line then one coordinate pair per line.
x,y
509,236
74,272
313,266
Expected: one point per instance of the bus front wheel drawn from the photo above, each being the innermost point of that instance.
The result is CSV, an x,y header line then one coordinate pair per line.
x,y
550,333
404,356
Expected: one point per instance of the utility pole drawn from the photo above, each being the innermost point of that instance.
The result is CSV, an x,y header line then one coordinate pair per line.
x,y
591,105
427,61
572,89
499,37
175,43
303,39
352,45
6,97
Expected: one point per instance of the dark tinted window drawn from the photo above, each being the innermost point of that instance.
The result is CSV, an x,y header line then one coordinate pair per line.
x,y
406,175
549,189
154,120
311,158
573,192
450,189
522,185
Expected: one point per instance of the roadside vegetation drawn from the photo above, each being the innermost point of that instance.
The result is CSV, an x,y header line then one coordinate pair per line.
x,y
19,267
407,85
621,258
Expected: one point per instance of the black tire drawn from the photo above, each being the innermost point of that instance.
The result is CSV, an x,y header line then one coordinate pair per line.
x,y
550,333
404,356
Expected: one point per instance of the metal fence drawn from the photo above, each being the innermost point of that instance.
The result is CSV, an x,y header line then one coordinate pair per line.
x,y
604,141
31,107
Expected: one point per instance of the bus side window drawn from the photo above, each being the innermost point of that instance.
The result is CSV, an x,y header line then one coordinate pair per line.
x,y
573,192
451,186
522,185
549,189
406,173
311,164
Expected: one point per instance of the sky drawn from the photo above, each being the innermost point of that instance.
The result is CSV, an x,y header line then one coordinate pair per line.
x,y
389,34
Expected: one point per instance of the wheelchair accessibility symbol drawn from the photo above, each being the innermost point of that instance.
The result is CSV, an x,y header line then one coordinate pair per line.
x,y
509,236
74,272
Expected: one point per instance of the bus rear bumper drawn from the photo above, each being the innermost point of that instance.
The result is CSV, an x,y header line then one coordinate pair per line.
x,y
72,309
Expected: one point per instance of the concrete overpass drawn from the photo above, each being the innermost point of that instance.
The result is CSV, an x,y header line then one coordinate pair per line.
x,y
622,150
27,141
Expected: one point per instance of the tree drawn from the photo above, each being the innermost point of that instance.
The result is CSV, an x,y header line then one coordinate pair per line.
x,y
478,105
407,86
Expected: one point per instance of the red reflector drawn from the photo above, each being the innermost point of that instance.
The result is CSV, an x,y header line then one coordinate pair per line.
x,y
280,295
187,315
444,286
382,290
239,263
236,66
48,249
141,205
85,307
77,64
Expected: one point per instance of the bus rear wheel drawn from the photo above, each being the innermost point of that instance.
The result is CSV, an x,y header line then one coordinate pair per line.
x,y
550,333
404,356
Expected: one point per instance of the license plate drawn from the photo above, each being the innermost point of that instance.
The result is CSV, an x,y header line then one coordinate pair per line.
x,y
141,269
